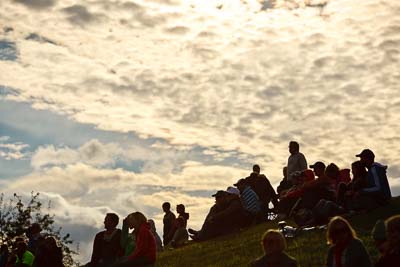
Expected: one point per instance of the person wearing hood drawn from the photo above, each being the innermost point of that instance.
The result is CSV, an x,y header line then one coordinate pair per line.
x,y
145,251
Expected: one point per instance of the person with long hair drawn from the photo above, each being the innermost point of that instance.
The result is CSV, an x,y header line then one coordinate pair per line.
x,y
391,253
346,249
274,245
145,250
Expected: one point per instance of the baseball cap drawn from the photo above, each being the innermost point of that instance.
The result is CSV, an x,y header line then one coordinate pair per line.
x,y
318,164
366,153
219,193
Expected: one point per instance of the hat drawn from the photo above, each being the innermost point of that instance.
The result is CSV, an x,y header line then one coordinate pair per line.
x,y
318,164
379,231
366,153
219,193
241,181
233,190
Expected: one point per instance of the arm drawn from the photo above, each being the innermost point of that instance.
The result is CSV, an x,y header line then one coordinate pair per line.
x,y
302,162
377,186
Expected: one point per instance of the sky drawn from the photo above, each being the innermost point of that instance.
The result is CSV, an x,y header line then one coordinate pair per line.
x,y
119,106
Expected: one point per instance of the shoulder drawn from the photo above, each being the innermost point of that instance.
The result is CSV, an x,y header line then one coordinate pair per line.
x,y
289,260
260,262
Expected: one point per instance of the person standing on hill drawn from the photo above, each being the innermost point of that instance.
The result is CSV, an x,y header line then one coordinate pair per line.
x,y
296,161
168,221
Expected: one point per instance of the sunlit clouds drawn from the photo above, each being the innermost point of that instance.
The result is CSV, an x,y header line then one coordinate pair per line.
x,y
172,100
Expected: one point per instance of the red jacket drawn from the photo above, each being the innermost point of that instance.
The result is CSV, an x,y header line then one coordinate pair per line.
x,y
145,244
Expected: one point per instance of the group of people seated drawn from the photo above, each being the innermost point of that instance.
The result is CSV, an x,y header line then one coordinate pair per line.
x,y
34,249
345,249
312,196
309,196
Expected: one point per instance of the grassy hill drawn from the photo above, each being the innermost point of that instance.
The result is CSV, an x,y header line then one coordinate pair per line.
x,y
309,248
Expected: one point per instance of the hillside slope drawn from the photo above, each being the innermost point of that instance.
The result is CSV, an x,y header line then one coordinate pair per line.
x,y
309,248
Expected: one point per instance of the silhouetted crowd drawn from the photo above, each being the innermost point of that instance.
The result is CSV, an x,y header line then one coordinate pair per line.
x,y
310,195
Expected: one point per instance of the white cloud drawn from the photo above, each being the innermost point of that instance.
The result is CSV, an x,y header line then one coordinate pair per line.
x,y
12,150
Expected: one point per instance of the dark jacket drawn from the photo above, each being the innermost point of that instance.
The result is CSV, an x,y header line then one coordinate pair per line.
x,y
106,250
353,255
279,260
263,188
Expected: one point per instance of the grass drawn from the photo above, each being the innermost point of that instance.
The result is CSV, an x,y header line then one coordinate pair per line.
x,y
239,249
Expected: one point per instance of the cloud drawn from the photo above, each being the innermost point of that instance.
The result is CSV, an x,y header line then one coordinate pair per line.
x,y
12,150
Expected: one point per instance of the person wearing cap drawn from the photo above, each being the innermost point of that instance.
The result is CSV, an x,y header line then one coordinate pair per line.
x,y
250,200
225,221
296,161
378,188
263,188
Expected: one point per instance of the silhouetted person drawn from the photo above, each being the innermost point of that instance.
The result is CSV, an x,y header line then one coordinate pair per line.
x,y
250,201
274,245
24,258
4,253
285,184
346,249
391,251
178,233
263,188
227,220
296,160
107,244
34,234
168,221
156,236
378,187
48,254
146,248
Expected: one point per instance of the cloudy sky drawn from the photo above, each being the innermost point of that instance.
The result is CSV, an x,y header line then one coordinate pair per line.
x,y
118,105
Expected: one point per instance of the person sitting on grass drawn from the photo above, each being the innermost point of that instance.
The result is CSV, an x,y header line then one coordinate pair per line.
x,y
346,249
106,245
274,245
391,251
224,221
146,248
24,258
250,202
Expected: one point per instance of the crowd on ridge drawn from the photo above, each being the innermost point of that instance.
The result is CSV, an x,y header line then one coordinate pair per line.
x,y
311,196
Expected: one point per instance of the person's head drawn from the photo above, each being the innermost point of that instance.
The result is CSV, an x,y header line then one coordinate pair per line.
x,y
318,168
180,208
339,231
21,247
50,242
332,171
358,169
135,220
294,147
232,193
393,233
241,184
273,242
152,225
256,168
166,206
367,157
111,221
284,170
220,197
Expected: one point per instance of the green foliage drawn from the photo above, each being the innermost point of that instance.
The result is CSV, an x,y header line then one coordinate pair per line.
x,y
17,215
308,247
